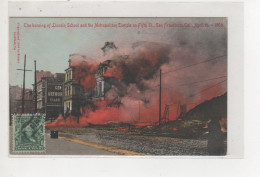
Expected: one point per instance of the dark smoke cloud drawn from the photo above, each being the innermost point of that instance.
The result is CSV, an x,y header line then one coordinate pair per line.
x,y
193,45
133,74
142,64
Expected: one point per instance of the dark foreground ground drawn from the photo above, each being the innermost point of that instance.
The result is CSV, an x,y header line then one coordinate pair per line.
x,y
151,145
144,144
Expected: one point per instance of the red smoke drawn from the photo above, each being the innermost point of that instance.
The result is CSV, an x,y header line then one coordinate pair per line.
x,y
113,72
84,72
134,93
70,122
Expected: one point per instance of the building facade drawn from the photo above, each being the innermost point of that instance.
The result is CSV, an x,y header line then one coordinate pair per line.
x,y
101,86
50,96
73,93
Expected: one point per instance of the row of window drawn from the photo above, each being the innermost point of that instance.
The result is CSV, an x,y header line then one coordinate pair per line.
x,y
72,90
68,90
68,75
54,93
55,100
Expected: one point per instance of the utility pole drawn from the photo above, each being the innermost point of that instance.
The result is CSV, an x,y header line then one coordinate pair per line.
x,y
160,97
35,87
24,70
139,109
177,112
10,113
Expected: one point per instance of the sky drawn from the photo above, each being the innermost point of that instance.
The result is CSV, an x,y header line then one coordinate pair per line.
x,y
51,47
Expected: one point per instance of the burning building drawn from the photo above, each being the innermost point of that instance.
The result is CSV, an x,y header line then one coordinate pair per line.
x,y
100,91
102,86
122,86
50,96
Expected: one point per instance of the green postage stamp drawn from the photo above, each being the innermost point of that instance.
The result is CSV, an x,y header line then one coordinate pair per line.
x,y
28,132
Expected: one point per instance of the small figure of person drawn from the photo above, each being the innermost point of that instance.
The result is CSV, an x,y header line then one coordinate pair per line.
x,y
67,112
215,138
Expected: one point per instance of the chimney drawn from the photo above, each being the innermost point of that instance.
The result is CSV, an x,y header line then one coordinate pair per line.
x,y
69,62
108,46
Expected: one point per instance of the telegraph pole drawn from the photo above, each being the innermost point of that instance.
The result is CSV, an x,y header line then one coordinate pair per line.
x,y
24,70
160,97
139,109
10,113
23,83
35,87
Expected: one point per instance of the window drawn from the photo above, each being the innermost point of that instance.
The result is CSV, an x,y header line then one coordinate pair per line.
x,y
100,88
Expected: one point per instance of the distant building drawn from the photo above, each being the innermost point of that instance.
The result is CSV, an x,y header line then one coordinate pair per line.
x,y
50,96
40,74
28,101
15,96
16,100
73,93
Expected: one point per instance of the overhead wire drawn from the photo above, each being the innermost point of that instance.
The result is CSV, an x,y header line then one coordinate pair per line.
x,y
188,66
191,83
194,64
208,88
197,82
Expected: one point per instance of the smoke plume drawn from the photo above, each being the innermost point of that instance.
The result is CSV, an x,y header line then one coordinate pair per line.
x,y
132,76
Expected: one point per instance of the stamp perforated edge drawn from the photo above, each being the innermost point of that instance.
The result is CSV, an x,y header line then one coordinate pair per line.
x,y
13,152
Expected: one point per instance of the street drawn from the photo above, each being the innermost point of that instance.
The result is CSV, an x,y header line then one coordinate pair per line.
x,y
101,142
63,147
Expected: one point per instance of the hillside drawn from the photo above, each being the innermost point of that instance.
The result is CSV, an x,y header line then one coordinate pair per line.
x,y
216,108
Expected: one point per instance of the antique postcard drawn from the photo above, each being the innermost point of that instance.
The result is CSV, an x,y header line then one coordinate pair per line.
x,y
118,86
126,89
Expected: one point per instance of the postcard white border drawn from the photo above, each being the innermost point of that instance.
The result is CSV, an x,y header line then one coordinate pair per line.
x,y
115,9
234,12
